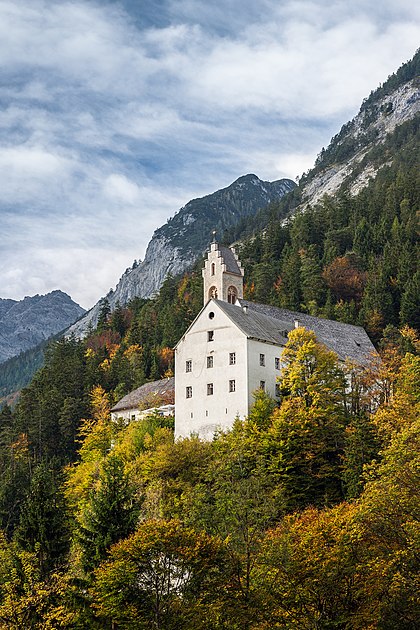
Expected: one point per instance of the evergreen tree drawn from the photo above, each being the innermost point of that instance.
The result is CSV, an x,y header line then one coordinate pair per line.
x,y
110,514
410,302
43,526
104,314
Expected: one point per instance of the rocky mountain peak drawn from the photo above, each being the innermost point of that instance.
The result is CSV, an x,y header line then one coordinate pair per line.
x,y
25,323
176,245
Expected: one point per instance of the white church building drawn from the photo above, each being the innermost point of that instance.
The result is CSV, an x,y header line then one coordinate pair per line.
x,y
234,347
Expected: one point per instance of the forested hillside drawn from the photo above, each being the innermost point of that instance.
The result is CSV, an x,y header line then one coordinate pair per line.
x,y
113,526
305,515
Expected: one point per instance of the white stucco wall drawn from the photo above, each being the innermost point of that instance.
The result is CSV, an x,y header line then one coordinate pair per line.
x,y
126,414
258,373
203,413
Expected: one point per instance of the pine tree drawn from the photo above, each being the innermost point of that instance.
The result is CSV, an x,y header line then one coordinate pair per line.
x,y
410,303
43,526
110,514
104,313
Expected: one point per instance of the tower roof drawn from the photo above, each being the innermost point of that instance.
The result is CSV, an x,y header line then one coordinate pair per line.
x,y
229,259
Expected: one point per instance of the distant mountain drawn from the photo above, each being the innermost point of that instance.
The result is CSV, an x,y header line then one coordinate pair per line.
x,y
25,323
176,245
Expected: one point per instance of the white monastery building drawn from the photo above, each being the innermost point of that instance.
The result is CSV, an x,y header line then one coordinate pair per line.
x,y
234,347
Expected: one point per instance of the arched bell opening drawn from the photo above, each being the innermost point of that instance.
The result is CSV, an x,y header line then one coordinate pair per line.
x,y
213,293
232,295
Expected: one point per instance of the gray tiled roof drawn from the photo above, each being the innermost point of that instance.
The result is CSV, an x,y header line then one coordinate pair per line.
x,y
264,322
257,325
229,260
164,388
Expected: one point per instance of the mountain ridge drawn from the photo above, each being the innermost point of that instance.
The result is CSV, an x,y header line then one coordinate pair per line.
x,y
25,323
176,245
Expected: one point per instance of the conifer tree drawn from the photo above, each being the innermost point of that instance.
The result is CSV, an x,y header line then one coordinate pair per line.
x,y
43,526
110,514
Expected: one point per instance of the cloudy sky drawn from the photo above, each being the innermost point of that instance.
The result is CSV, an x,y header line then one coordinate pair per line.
x,y
113,114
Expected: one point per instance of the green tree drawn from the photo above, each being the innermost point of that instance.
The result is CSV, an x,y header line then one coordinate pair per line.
x,y
110,514
43,526
410,302
165,576
306,438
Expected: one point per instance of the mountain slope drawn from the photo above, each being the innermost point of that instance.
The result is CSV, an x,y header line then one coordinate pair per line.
x,y
176,245
25,323
356,154
343,165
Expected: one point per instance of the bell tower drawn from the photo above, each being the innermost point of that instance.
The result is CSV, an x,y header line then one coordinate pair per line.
x,y
223,275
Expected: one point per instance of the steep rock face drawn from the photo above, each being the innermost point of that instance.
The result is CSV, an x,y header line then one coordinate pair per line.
x,y
343,163
24,323
176,245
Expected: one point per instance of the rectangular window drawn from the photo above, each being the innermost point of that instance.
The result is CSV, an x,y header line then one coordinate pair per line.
x,y
210,335
209,389
262,359
133,417
188,366
262,385
277,363
278,393
232,386
209,362
232,358
188,392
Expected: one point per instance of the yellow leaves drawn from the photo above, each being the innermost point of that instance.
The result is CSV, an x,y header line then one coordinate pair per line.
x,y
89,353
105,365
100,404
25,598
20,448
134,351
411,335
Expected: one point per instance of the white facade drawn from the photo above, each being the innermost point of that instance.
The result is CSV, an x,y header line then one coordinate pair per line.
x,y
130,415
217,370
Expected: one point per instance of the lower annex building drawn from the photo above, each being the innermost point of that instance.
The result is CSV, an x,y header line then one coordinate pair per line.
x,y
234,347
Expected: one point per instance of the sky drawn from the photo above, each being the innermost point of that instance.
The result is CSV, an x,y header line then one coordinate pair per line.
x,y
114,114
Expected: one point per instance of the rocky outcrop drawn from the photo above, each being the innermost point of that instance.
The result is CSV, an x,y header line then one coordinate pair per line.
x,y
374,122
25,323
176,246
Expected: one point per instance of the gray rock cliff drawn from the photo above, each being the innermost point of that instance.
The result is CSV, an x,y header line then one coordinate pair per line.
x,y
374,122
25,323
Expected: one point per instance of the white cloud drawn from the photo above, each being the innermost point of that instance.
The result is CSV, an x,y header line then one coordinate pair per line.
x,y
107,127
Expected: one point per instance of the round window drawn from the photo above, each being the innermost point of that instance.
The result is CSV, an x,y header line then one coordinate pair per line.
x,y
211,315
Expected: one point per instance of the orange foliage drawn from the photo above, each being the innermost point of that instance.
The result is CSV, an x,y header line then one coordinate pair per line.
x,y
166,359
344,278
108,339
